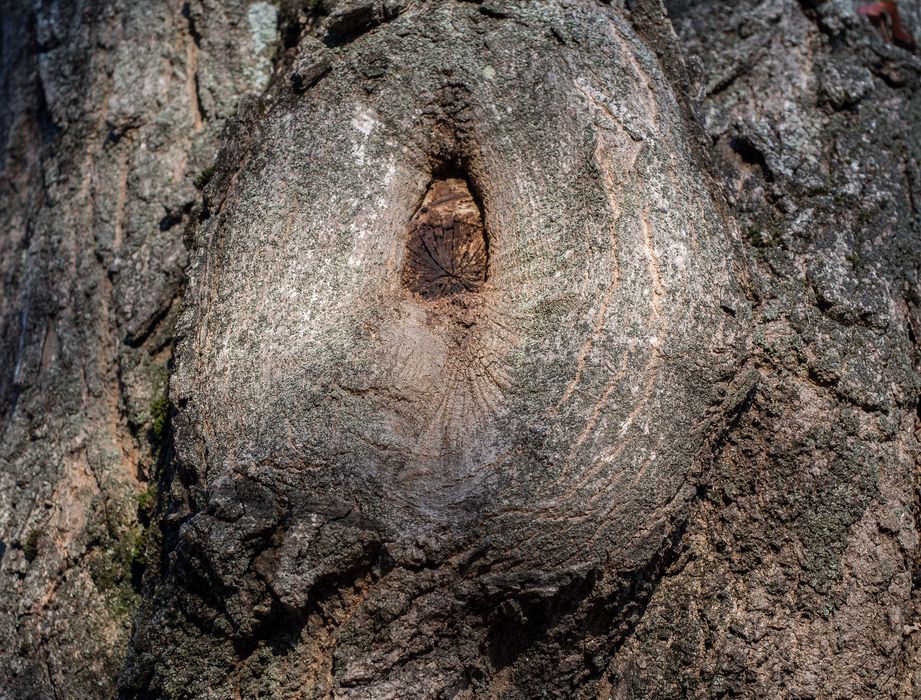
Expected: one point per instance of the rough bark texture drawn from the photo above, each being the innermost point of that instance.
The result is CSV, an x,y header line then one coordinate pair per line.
x,y
110,112
526,350
800,575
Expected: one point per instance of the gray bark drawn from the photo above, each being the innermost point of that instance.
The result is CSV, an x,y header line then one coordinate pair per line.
x,y
110,112
514,350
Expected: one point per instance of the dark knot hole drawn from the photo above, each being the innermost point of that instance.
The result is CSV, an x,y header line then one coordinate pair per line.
x,y
447,251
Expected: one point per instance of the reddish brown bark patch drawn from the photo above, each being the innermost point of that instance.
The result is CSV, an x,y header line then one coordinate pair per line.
x,y
446,250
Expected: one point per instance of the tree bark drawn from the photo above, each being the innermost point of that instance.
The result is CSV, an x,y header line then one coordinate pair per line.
x,y
110,112
514,350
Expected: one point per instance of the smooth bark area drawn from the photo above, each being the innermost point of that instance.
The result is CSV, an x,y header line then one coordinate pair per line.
x,y
559,349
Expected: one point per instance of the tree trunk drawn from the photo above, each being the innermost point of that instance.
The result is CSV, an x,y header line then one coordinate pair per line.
x,y
523,350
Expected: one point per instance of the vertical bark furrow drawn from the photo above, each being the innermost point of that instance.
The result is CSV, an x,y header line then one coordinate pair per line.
x,y
102,141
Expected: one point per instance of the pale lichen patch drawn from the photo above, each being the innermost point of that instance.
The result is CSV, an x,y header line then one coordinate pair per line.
x,y
262,18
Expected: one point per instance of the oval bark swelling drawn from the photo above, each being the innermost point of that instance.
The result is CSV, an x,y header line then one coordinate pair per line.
x,y
398,488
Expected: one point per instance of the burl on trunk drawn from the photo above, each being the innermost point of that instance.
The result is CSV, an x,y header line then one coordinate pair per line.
x,y
461,322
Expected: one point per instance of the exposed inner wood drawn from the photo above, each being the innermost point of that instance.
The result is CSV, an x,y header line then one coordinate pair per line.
x,y
446,250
